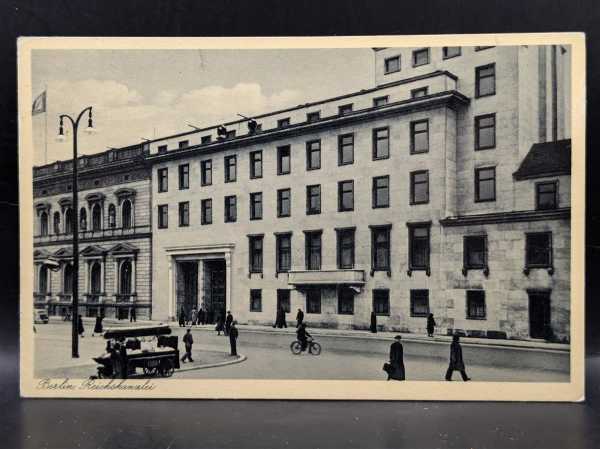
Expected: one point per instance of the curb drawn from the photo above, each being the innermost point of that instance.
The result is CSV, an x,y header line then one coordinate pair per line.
x,y
241,358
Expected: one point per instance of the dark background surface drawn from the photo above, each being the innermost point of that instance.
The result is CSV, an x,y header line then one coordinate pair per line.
x,y
262,424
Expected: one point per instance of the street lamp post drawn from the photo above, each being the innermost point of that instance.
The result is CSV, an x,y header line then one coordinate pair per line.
x,y
75,288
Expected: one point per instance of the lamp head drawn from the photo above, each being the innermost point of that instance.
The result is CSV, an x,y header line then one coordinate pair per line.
x,y
61,133
90,128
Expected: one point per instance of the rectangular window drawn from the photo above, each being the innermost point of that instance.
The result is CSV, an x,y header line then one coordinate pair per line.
x,y
392,64
418,247
283,299
345,196
346,149
184,176
380,248
163,216
256,300
485,80
420,92
230,168
450,52
256,208
313,199
283,122
419,303
345,109
284,202
381,143
476,304
485,131
163,179
479,48
256,164
381,101
184,213
546,195
313,155
230,134
538,249
206,175
230,209
313,250
184,144
475,252
419,136
255,244
283,247
313,116
162,149
345,301
419,187
283,160
206,211
205,139
381,302
345,248
485,184
420,57
381,191
313,300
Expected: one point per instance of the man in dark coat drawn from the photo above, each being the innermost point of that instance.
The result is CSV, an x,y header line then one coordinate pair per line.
x,y
80,329
182,317
220,326
132,317
430,325
233,335
98,325
201,319
397,360
280,321
299,317
456,360
373,322
188,340
303,336
228,321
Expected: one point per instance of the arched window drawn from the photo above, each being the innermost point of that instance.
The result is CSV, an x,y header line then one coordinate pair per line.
x,y
96,278
69,221
57,223
126,214
68,279
96,217
125,278
112,216
82,219
43,224
43,285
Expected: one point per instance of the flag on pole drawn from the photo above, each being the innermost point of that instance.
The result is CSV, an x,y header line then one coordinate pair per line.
x,y
39,104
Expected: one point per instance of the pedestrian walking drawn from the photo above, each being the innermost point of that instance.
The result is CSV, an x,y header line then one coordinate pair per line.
x,y
132,316
182,317
430,325
373,322
456,360
201,315
280,319
194,316
396,370
188,340
80,329
98,325
299,318
233,335
228,321
220,326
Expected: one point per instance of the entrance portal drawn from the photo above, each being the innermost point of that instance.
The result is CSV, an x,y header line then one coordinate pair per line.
x,y
214,289
187,287
539,315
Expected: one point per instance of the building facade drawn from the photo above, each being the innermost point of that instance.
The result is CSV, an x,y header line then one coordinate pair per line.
x,y
114,235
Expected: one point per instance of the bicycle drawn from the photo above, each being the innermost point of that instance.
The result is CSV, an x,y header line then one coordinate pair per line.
x,y
313,347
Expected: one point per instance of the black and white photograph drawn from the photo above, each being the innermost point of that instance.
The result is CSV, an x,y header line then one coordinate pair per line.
x,y
385,218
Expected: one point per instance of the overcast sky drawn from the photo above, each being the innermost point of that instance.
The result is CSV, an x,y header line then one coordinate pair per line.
x,y
152,93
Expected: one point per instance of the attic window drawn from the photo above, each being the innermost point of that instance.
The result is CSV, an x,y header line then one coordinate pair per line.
x,y
126,178
96,182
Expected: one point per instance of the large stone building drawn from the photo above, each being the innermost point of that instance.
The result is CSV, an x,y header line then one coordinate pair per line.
x,y
114,235
444,188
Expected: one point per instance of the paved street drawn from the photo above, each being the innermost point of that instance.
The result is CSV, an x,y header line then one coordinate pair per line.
x,y
268,356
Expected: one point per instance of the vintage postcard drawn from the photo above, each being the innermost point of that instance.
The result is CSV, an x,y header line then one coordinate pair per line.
x,y
306,218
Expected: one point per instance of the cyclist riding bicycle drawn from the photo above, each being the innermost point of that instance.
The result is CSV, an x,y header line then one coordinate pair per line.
x,y
303,336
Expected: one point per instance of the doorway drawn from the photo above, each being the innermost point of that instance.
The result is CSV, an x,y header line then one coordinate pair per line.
x,y
539,314
187,286
214,289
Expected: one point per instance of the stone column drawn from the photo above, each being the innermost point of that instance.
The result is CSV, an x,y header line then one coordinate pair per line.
x,y
228,287
171,288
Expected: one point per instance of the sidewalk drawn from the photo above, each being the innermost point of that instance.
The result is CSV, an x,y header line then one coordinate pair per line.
x,y
361,334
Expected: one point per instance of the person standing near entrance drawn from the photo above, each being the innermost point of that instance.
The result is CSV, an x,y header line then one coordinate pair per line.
x,y
280,319
456,360
80,329
219,327
201,316
373,327
132,317
182,317
98,325
430,325
233,335
188,340
194,316
397,360
299,318
228,321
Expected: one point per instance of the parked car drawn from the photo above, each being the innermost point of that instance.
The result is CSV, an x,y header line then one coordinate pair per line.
x,y
40,316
